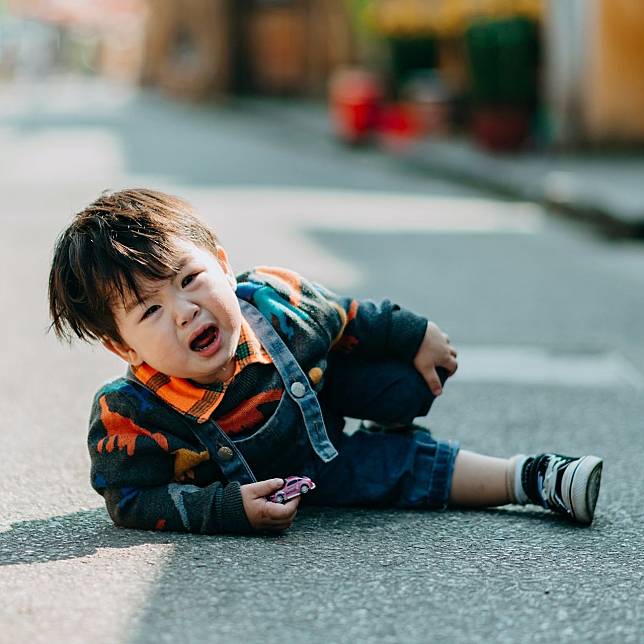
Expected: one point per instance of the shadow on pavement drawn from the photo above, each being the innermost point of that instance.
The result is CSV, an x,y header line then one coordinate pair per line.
x,y
83,533
69,536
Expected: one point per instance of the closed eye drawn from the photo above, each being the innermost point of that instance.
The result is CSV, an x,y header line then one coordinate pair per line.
x,y
150,311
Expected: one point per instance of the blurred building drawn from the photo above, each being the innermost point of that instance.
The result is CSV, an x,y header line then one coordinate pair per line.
x,y
200,47
509,72
594,74
87,36
575,67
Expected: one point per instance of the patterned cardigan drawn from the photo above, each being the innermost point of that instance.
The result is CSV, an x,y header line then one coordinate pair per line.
x,y
147,462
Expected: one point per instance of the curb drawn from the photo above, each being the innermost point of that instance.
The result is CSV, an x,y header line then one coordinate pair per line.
x,y
584,189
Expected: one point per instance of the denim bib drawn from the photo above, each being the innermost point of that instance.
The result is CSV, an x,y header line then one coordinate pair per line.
x,y
287,437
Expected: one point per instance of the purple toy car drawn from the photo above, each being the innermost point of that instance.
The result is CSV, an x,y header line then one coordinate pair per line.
x,y
293,486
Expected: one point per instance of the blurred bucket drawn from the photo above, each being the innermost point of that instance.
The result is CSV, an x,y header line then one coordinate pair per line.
x,y
501,129
428,97
398,126
355,96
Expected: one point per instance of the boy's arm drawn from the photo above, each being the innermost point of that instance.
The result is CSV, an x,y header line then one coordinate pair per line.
x,y
375,329
178,507
385,329
358,327
209,510
133,468
363,327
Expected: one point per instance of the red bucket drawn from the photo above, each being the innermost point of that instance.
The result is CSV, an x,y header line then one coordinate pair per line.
x,y
355,97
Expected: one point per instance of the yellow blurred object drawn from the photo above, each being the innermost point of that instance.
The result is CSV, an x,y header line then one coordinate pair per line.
x,y
445,18
276,46
613,96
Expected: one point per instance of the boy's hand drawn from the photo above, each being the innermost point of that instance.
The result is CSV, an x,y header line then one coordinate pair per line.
x,y
261,513
435,351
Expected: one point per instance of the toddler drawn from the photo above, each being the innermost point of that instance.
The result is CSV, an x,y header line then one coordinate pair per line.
x,y
235,382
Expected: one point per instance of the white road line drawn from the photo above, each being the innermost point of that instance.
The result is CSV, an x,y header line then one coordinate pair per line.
x,y
537,366
372,211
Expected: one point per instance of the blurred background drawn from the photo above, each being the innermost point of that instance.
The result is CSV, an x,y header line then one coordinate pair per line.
x,y
507,74
538,99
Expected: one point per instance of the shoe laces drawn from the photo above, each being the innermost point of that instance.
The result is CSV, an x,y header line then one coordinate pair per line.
x,y
551,482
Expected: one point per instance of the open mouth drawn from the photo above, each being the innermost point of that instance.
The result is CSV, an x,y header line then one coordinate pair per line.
x,y
205,339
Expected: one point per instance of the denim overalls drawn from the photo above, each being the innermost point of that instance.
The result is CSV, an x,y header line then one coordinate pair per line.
x,y
403,468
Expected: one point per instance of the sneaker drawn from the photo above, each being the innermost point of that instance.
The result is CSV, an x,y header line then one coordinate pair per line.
x,y
565,484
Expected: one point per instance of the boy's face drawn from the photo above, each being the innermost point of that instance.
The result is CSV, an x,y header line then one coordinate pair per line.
x,y
188,326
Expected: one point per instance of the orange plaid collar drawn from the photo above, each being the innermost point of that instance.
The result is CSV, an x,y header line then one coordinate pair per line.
x,y
200,401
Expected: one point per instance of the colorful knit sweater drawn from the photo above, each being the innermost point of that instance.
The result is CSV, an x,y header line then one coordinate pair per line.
x,y
147,462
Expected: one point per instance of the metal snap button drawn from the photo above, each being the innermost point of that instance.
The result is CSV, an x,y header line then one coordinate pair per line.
x,y
298,389
225,453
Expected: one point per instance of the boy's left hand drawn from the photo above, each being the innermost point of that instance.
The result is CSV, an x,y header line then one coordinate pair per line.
x,y
435,351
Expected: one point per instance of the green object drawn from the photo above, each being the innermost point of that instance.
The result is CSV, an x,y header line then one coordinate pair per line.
x,y
504,60
408,55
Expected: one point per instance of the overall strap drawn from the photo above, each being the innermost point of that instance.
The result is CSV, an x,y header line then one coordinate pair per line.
x,y
296,383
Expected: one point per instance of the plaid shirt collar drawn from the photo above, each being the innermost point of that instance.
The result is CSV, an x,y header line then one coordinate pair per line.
x,y
200,401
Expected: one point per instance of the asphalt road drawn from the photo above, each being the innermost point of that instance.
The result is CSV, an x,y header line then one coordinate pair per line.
x,y
549,318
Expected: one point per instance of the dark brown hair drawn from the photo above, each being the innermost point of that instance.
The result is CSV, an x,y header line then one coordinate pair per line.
x,y
121,240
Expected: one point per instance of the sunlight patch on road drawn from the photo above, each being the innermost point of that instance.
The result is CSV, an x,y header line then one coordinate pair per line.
x,y
47,159
112,585
375,211
523,365
281,220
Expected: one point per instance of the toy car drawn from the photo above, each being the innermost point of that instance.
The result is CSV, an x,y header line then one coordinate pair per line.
x,y
293,486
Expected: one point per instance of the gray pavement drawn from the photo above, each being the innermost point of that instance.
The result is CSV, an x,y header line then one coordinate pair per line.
x,y
503,277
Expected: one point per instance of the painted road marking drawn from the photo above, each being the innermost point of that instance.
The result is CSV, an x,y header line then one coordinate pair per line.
x,y
377,212
538,366
283,219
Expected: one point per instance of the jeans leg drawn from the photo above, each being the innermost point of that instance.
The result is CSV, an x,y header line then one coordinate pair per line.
x,y
408,469
385,391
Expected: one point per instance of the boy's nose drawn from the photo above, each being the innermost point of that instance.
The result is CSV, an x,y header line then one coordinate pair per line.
x,y
186,313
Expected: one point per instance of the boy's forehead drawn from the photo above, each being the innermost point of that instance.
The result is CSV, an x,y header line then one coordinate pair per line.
x,y
146,287
131,301
127,298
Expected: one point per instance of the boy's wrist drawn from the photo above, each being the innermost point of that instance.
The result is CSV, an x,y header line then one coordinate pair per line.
x,y
407,333
233,515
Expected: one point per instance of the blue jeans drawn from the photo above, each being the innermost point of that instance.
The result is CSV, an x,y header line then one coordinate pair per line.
x,y
403,467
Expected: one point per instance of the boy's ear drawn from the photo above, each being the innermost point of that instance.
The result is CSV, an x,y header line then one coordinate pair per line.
x,y
222,258
122,351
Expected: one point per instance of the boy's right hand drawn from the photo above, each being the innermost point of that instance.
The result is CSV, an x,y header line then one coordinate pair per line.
x,y
261,513
435,351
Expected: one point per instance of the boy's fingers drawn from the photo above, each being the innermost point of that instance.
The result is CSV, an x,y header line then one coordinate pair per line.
x,y
433,382
276,527
293,504
264,488
283,526
279,511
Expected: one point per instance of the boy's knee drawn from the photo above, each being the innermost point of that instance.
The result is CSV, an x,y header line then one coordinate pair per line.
x,y
410,397
383,391
402,395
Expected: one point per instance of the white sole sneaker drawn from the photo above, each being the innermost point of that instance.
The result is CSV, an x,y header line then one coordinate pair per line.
x,y
580,488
